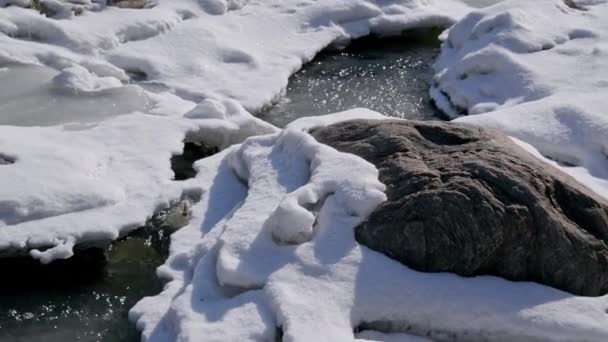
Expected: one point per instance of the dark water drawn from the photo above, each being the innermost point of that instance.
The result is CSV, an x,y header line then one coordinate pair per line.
x,y
391,76
84,299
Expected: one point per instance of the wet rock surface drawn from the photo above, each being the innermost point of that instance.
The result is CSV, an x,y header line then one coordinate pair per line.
x,y
467,200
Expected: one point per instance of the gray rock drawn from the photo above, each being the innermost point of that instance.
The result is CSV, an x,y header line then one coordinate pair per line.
x,y
128,3
6,160
467,200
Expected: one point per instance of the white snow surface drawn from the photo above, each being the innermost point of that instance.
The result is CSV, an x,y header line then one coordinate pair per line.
x,y
537,71
239,270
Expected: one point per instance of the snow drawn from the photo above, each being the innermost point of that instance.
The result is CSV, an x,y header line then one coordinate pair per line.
x,y
535,70
264,43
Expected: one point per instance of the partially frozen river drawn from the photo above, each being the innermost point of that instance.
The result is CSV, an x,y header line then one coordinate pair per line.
x,y
390,76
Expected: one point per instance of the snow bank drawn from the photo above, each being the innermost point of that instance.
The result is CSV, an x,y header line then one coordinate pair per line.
x,y
97,175
77,79
77,183
239,271
537,71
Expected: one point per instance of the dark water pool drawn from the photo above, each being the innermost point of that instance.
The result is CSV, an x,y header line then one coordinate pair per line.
x,y
84,299
391,76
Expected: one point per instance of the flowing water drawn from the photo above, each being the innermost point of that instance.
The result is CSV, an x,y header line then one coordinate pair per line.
x,y
84,299
391,76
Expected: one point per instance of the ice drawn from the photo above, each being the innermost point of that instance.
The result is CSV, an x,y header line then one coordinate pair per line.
x,y
39,96
72,184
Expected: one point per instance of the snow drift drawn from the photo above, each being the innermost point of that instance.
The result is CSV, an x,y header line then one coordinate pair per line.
x,y
535,70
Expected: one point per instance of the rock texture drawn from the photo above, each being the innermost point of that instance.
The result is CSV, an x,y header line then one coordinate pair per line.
x,y
467,200
128,3
5,160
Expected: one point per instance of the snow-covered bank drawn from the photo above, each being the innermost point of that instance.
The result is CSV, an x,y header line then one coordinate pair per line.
x,y
536,70
81,183
239,271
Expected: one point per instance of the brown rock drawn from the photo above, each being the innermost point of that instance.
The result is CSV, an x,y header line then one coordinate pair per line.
x,y
467,200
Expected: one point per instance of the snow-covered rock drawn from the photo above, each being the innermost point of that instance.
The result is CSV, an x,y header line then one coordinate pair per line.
x,y
232,276
469,201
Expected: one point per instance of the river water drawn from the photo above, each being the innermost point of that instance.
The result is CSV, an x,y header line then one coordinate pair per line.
x,y
391,76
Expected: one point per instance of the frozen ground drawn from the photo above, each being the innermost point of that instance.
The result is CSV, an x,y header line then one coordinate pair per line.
x,y
270,244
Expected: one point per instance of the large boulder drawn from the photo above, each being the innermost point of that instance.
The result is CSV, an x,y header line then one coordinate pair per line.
x,y
468,200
